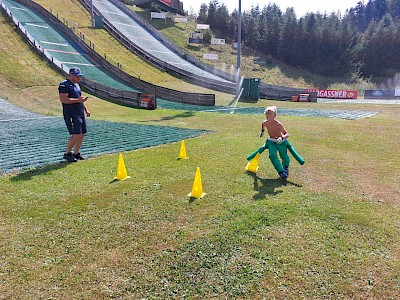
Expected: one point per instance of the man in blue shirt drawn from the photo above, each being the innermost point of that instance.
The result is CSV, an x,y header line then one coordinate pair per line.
x,y
74,111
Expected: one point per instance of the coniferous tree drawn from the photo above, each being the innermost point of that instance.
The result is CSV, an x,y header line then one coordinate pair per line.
x,y
262,28
288,43
395,10
365,40
375,10
212,11
233,26
357,15
328,46
271,17
203,13
221,18
379,49
381,8
307,42
349,40
255,12
253,34
245,27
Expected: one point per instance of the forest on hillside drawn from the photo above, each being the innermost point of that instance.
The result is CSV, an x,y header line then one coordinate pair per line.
x,y
365,41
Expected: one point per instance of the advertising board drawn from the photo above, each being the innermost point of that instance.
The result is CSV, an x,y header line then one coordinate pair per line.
x,y
210,56
215,41
335,94
379,94
202,26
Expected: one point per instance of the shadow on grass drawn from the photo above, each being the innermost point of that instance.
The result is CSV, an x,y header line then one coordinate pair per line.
x,y
117,180
193,47
186,114
268,186
29,174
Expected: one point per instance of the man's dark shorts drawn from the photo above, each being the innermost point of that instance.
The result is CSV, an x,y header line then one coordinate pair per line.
x,y
75,125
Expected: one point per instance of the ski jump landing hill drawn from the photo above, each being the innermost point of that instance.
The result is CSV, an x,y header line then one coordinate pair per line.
x,y
111,82
56,42
143,39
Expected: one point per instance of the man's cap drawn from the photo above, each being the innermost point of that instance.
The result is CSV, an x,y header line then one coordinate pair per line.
x,y
271,108
75,71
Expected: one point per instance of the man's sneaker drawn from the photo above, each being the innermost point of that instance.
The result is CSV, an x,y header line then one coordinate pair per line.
x,y
69,157
78,156
286,169
283,175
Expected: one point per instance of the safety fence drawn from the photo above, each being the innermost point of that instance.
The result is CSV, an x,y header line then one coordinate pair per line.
x,y
103,91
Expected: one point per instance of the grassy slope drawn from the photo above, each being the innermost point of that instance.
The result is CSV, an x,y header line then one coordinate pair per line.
x,y
331,232
105,43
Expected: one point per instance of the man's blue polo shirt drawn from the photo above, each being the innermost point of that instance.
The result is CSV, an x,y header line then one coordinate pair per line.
x,y
73,91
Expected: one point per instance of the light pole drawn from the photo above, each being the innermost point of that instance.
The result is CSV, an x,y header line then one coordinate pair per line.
x,y
239,37
239,50
91,13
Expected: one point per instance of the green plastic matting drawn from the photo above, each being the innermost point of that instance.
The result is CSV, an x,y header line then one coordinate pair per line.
x,y
24,133
331,113
30,140
37,142
61,47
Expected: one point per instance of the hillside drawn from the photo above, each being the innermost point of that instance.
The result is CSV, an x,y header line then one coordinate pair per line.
x,y
104,43
274,73
269,70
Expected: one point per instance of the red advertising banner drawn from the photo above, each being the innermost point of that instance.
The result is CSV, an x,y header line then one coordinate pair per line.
x,y
336,94
168,2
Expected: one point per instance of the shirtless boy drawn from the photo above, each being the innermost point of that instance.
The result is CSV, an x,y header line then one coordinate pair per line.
x,y
277,137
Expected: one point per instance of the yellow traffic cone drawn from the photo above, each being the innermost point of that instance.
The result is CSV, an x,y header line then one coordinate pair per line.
x,y
121,172
197,189
182,152
252,165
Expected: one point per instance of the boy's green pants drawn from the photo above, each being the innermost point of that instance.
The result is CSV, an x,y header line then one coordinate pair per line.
x,y
273,149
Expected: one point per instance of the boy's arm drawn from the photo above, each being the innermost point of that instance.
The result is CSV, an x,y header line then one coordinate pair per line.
x,y
262,129
284,133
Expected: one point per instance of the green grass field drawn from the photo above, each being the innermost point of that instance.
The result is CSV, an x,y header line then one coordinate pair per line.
x,y
331,232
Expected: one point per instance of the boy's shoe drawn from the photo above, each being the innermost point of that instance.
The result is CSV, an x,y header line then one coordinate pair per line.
x,y
286,169
283,175
78,156
69,157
